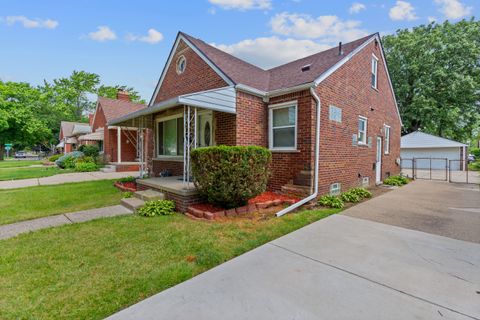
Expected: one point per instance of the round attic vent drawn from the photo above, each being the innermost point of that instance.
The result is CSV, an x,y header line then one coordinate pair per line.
x,y
181,64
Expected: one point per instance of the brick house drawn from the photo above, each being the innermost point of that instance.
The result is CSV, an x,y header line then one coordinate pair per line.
x,y
208,97
68,135
117,144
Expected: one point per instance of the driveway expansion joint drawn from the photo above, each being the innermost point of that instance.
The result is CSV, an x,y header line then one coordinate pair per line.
x,y
371,280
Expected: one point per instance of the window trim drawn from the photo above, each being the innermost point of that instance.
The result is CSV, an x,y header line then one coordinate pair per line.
x,y
361,142
339,189
277,106
163,119
374,58
386,144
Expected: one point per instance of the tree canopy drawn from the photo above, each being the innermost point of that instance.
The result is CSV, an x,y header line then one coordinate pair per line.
x,y
31,115
435,71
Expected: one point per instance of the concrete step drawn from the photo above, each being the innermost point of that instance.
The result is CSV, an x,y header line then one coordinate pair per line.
x,y
132,203
149,195
297,190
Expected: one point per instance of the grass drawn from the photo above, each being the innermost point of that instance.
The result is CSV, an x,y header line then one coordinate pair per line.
x,y
18,163
17,173
93,269
34,202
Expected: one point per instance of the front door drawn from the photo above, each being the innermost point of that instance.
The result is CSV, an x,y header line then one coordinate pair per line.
x,y
205,129
378,161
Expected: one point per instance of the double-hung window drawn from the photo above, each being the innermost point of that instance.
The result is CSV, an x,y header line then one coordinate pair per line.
x,y
387,139
170,136
374,79
283,126
362,130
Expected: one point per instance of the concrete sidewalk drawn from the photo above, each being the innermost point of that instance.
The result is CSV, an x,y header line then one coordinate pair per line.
x,y
14,229
65,178
337,268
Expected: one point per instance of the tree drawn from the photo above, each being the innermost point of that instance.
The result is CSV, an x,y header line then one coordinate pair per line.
x,y
435,70
19,124
111,92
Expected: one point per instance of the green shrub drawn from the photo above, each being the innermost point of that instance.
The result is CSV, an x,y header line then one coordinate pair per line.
x,y
67,161
474,166
127,179
475,152
157,208
396,181
350,197
331,202
55,157
127,194
361,192
85,166
228,176
90,150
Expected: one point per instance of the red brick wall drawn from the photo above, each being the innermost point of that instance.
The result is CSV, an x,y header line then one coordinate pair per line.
x,y
175,167
100,121
251,125
349,89
225,128
129,152
198,76
286,165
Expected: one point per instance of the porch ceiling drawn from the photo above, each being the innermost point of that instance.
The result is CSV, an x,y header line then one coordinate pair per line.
x,y
222,99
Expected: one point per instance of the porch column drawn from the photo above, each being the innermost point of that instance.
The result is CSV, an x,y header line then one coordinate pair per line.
x,y
119,144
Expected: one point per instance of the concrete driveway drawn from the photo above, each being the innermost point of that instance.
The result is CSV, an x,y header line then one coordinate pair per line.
x,y
341,267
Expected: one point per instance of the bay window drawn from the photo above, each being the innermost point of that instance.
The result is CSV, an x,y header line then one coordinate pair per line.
x,y
283,126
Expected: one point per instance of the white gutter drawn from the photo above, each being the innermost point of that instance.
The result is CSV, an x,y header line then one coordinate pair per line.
x,y
317,157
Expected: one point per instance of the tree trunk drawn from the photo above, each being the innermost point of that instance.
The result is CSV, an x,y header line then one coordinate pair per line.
x,y
2,151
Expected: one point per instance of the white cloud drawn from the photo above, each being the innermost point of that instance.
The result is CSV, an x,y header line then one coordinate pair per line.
x,y
356,7
431,19
453,9
103,33
31,23
268,52
242,4
153,36
402,10
326,28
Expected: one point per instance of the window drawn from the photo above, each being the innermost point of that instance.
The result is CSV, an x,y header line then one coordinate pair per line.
x,y
335,189
100,146
387,140
362,130
170,136
374,71
335,114
181,64
283,126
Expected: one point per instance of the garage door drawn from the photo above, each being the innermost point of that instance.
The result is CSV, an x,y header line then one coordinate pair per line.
x,y
449,153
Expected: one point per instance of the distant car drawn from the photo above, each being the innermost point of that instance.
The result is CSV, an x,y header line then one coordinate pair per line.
x,y
471,158
20,154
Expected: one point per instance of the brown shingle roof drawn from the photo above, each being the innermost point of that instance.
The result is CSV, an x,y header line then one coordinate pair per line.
x,y
284,76
113,108
67,127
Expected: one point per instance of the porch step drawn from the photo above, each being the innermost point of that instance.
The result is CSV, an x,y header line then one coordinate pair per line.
x,y
132,203
149,195
304,178
109,168
296,190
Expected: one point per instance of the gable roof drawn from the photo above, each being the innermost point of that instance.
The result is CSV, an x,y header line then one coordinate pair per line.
x,y
67,127
420,139
82,128
114,108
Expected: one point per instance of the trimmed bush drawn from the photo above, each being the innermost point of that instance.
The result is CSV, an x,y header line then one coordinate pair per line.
x,y
361,192
85,166
55,157
227,176
157,208
331,202
90,150
68,160
127,179
396,181
349,196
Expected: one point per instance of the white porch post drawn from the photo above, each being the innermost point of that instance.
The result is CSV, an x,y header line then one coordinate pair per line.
x,y
119,144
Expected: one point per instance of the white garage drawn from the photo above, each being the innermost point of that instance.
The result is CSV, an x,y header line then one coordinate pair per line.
x,y
430,151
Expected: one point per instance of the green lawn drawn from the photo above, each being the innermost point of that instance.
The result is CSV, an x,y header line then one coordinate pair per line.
x,y
91,270
34,202
18,163
26,173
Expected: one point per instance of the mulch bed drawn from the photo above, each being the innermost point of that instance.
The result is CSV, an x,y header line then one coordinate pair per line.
x,y
126,186
271,196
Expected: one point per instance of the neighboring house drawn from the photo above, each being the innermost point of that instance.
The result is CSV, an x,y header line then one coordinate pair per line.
x,y
423,147
69,133
121,153
208,97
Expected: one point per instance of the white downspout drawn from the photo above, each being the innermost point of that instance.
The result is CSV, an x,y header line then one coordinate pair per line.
x,y
317,156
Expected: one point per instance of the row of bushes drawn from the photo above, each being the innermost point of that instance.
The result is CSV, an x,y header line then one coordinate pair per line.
x,y
353,196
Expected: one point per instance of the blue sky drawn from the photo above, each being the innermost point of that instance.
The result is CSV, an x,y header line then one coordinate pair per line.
x,y
127,42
